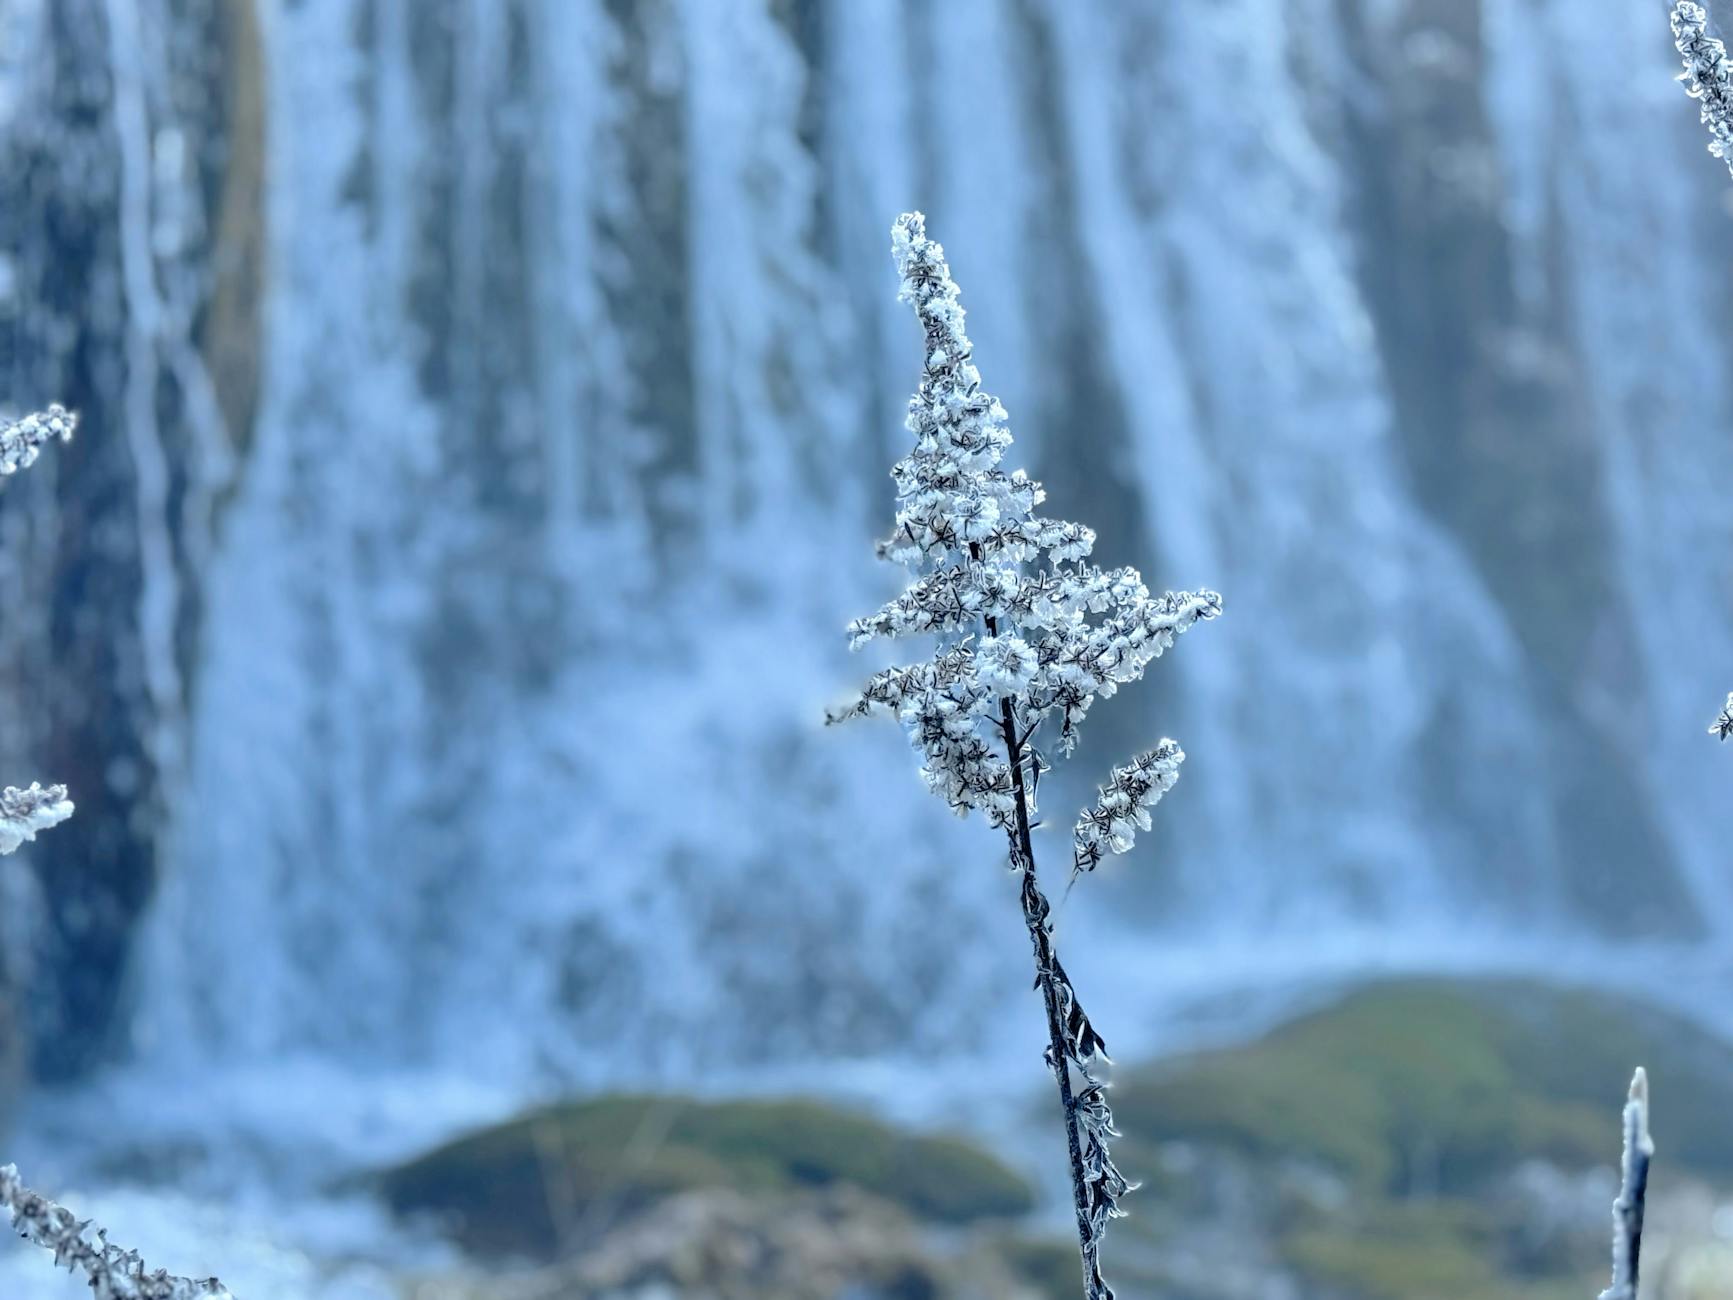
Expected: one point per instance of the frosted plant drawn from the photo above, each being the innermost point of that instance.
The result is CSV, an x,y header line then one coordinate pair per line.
x,y
1028,635
81,1247
1723,725
1633,1192
21,441
1708,76
24,812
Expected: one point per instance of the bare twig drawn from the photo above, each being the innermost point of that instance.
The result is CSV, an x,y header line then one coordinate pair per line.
x,y
1633,1190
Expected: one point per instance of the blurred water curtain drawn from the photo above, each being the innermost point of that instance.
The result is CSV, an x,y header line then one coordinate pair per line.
x,y
24,812
466,373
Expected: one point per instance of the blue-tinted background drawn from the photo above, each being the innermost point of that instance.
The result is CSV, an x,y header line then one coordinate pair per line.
x,y
486,408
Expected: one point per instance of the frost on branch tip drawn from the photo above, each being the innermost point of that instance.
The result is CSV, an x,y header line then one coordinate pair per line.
x,y
1708,76
21,441
80,1247
25,812
1633,1193
1723,725
1111,826
1021,619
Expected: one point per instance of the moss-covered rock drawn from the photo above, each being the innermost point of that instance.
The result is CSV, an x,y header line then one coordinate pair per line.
x,y
550,1180
1423,1139
1432,1087
1448,1249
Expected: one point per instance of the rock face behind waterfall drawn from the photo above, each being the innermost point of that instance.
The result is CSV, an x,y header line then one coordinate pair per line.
x,y
481,397
11,1050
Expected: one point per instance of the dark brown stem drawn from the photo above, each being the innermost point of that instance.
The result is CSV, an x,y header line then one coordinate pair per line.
x,y
1035,917
1035,912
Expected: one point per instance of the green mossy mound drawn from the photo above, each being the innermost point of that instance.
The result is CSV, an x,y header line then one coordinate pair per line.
x,y
1428,1087
1429,1250
1382,1136
545,1182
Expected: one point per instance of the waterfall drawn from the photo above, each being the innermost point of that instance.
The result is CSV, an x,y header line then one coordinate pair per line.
x,y
495,492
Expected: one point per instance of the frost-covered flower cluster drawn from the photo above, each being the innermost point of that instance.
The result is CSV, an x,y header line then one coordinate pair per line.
x,y
21,441
81,1247
1057,632
1123,808
24,812
1723,725
1708,76
1028,635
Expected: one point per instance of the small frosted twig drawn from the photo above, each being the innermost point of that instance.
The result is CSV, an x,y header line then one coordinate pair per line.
x,y
27,811
21,441
1131,791
1708,76
1633,1190
1723,725
79,1246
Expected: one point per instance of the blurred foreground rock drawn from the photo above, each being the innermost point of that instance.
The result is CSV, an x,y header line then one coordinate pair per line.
x,y
725,1245
552,1182
1414,1140
645,1196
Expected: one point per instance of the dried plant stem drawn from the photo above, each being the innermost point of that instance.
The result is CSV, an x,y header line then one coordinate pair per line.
x,y
1035,913
1633,1193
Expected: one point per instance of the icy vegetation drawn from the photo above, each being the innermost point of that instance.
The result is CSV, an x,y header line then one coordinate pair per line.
x,y
1633,1192
1708,76
1028,636
21,441
24,812
81,1247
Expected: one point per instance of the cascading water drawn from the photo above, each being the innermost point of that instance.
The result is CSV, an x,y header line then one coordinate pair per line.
x,y
540,388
